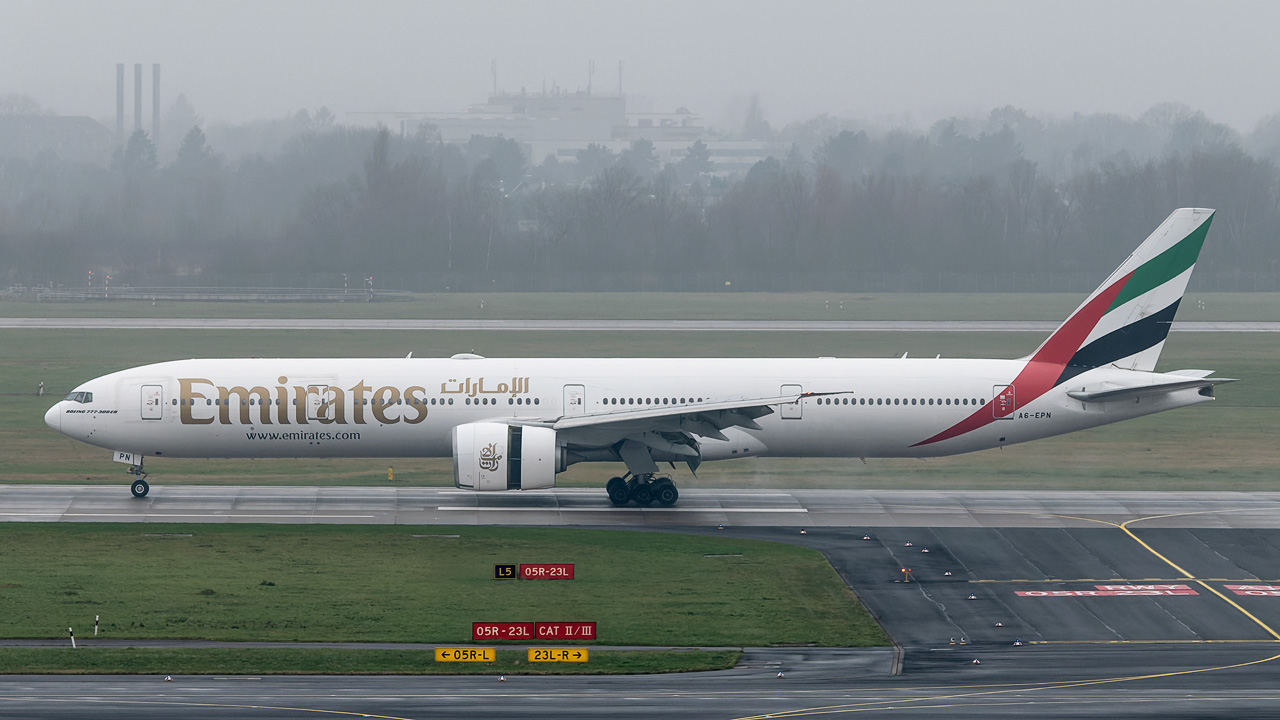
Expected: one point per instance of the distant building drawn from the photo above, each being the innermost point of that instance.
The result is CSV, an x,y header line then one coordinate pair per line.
x,y
562,124
75,138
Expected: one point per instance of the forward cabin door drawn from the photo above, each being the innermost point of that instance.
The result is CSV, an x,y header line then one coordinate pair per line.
x,y
575,400
792,411
1003,405
152,402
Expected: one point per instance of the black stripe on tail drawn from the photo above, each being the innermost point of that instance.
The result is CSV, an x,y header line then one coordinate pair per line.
x,y
1117,344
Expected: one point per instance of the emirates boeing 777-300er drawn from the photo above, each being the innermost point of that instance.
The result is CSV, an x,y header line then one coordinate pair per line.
x,y
513,424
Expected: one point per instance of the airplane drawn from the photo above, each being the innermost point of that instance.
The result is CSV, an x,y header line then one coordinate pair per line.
x,y
514,424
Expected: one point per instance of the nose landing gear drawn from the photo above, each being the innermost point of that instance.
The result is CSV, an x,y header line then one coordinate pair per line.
x,y
644,489
139,486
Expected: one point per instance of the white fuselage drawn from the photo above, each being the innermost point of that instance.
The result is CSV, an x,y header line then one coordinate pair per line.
x,y
408,407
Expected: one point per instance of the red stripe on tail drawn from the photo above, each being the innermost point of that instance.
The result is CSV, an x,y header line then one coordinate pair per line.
x,y
1045,367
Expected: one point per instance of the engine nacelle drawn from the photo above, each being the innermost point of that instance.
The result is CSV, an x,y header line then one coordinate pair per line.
x,y
495,456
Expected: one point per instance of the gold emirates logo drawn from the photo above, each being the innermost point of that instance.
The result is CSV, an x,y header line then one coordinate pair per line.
x,y
489,457
203,402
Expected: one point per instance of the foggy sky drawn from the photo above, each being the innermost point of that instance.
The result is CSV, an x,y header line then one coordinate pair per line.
x,y
891,61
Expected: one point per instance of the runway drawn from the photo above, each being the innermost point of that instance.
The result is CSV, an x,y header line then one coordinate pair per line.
x,y
590,506
584,325
1133,604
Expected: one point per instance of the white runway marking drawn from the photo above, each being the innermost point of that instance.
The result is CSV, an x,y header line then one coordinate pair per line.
x,y
462,508
176,515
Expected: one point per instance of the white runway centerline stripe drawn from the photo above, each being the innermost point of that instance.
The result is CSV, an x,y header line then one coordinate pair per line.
x,y
467,508
179,515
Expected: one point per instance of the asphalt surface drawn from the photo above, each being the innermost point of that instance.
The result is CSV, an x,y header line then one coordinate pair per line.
x,y
590,506
1126,604
587,325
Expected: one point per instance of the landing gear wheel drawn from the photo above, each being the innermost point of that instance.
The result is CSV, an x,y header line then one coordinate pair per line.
x,y
664,491
140,488
642,493
618,492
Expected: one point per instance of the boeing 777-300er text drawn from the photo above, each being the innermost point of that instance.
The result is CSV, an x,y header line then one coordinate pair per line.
x,y
513,424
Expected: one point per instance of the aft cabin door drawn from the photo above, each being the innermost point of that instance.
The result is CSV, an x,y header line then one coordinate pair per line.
x,y
792,411
152,402
575,400
1004,405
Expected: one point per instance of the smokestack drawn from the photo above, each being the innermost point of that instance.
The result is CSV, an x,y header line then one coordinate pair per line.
x,y
137,97
155,103
119,104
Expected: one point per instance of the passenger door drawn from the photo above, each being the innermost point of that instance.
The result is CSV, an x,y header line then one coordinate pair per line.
x,y
152,402
1004,404
575,400
319,402
792,411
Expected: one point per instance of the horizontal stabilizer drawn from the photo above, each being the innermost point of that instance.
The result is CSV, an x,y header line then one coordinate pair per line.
x,y
1126,393
1191,373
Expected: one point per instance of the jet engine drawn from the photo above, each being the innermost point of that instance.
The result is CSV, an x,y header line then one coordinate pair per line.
x,y
495,456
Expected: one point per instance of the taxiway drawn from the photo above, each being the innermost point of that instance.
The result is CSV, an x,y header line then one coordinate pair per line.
x,y
1072,604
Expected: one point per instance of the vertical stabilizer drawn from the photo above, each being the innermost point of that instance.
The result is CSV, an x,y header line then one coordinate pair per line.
x,y
1126,320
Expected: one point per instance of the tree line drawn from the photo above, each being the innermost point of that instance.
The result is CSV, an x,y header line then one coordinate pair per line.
x,y
969,204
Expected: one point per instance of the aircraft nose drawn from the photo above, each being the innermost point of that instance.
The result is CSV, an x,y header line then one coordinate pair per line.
x,y
53,418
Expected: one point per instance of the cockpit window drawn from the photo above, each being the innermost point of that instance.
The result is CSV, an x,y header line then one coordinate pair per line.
x,y
80,397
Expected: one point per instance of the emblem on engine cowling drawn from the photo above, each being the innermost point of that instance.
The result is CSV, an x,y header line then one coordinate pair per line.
x,y
489,457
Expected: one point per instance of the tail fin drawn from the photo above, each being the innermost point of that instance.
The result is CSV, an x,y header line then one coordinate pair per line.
x,y
1126,320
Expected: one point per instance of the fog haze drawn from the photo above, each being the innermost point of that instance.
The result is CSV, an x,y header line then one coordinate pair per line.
x,y
893,62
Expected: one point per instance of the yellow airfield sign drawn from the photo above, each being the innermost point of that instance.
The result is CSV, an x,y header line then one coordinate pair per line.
x,y
465,654
557,654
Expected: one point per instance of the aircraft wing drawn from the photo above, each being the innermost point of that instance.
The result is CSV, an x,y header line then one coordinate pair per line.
x,y
667,432
1128,393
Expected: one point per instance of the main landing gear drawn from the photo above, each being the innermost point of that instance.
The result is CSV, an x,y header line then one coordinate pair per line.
x,y
139,486
643,489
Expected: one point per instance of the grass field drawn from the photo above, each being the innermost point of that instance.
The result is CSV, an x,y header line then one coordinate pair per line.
x,y
263,661
1227,444
659,306
382,584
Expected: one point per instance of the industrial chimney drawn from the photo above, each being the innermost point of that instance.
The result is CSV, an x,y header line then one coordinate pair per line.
x,y
137,97
155,103
119,104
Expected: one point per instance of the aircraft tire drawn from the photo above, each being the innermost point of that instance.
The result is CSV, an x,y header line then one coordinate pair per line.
x,y
665,493
642,493
140,488
618,492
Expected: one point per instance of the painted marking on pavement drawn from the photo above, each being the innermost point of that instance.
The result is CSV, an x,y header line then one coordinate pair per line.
x,y
1255,590
1114,591
466,508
